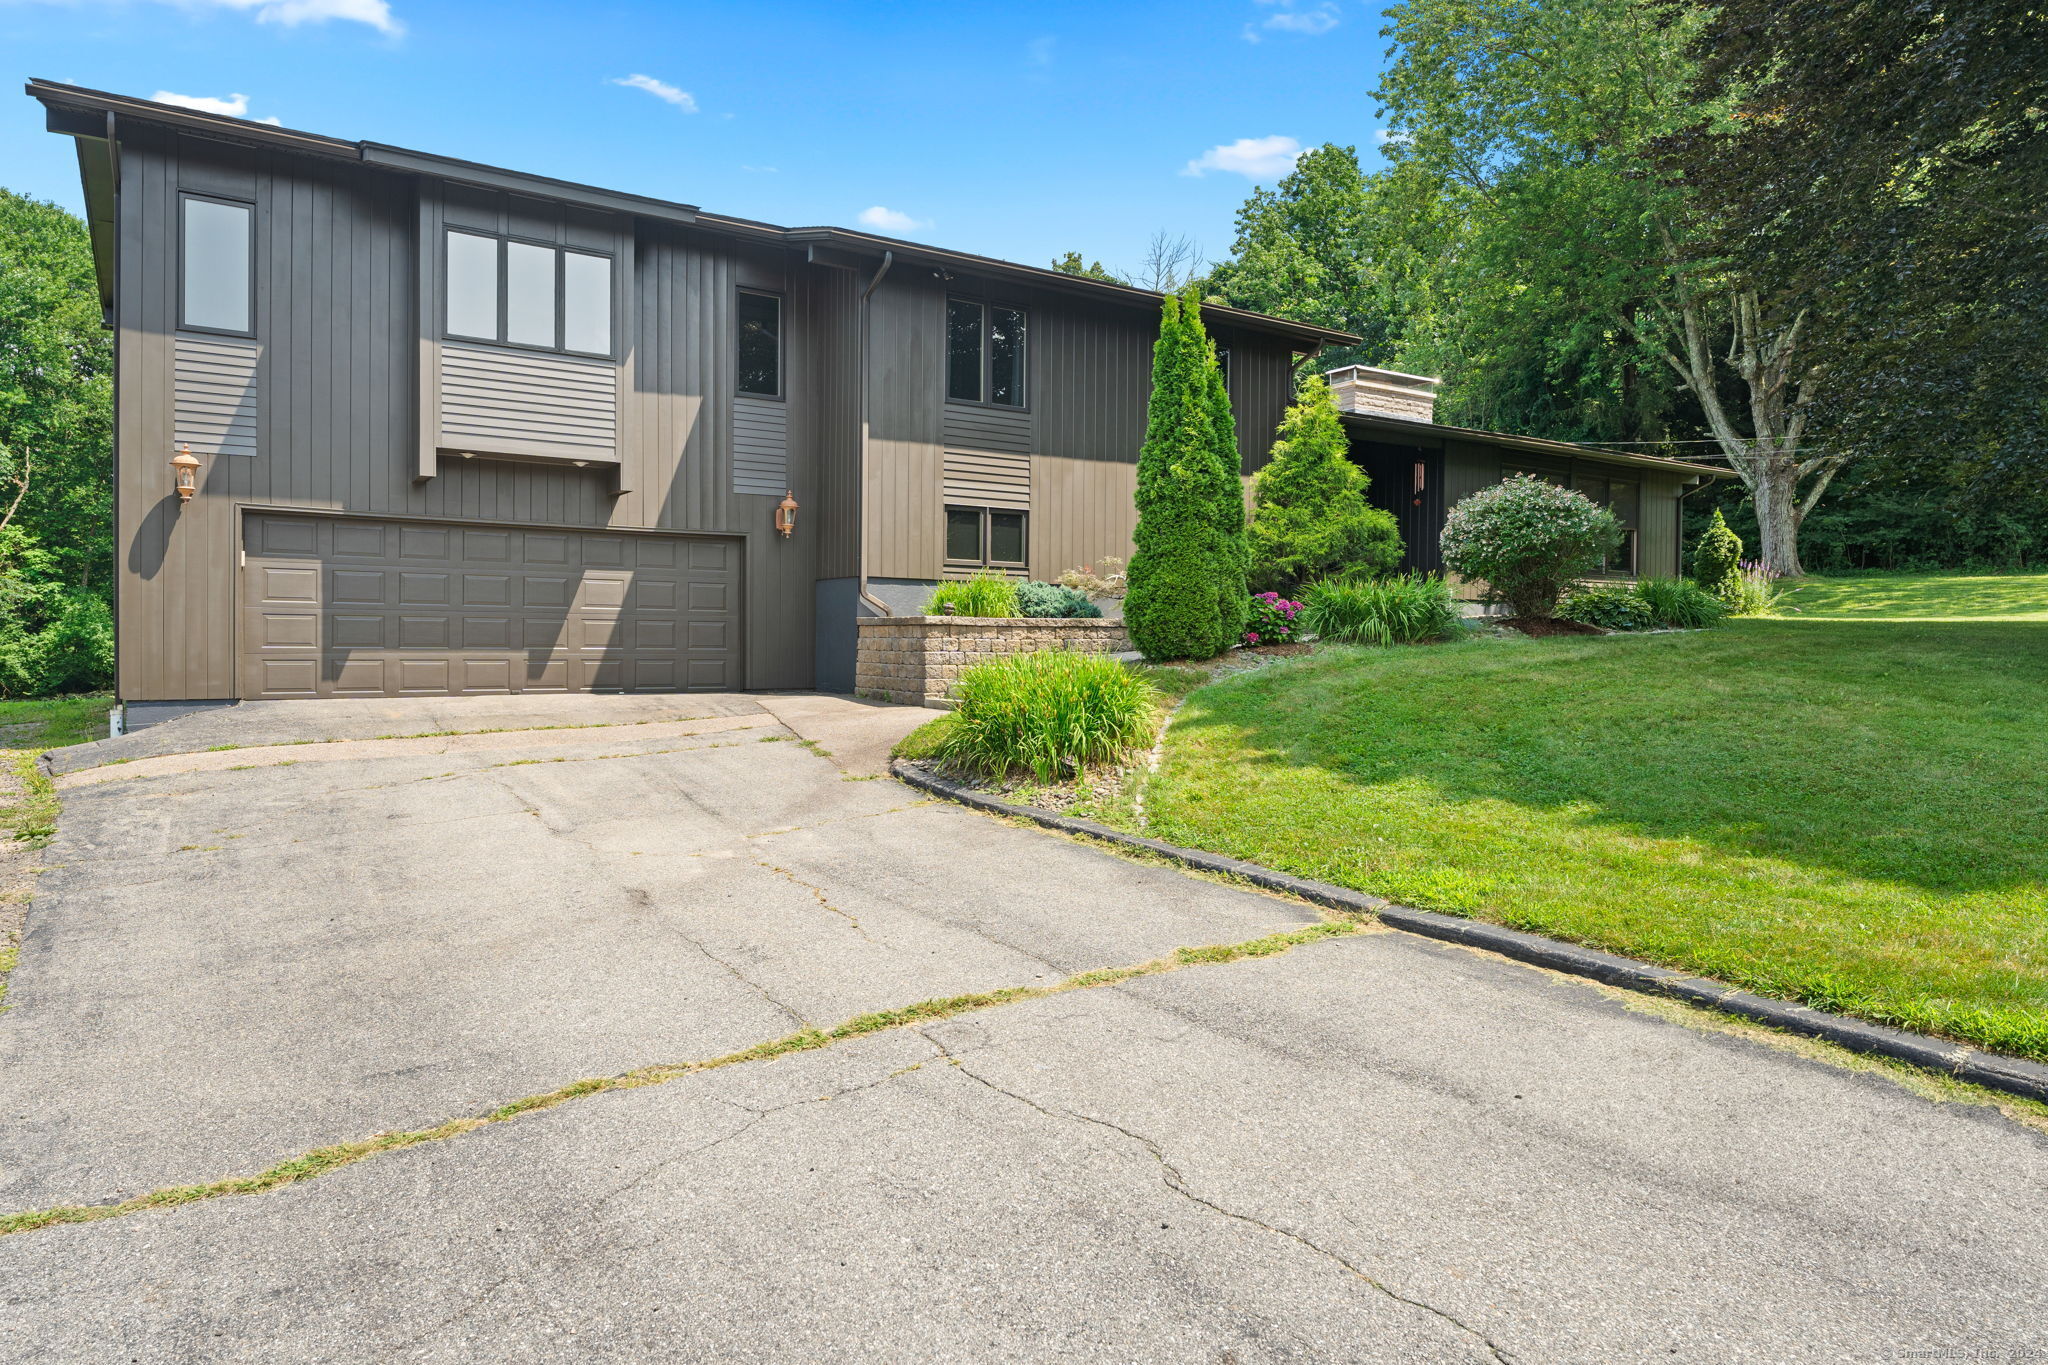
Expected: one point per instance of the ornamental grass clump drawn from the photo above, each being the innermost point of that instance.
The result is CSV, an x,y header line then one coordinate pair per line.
x,y
1679,603
1754,590
1529,540
1052,714
1404,609
986,594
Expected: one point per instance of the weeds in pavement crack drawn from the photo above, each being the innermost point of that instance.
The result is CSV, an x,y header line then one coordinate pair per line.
x,y
324,1160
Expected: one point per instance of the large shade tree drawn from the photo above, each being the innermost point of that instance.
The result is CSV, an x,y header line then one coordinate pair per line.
x,y
1886,163
1544,124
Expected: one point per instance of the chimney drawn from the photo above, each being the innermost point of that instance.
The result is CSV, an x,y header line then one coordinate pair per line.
x,y
1384,393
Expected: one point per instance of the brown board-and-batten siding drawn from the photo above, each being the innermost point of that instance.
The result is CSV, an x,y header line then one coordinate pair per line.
x,y
339,413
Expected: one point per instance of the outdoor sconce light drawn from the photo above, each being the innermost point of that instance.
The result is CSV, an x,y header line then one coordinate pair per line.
x,y
185,468
785,514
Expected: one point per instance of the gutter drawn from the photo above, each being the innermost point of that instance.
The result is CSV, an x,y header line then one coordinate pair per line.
x,y
860,472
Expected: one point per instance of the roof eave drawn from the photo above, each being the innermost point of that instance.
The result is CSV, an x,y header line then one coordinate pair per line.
x,y
1303,337
1535,445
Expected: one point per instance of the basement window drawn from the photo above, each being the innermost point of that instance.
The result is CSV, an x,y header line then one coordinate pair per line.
x,y
984,537
532,295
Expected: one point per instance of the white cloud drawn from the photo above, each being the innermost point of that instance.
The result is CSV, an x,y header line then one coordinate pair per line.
x,y
234,106
1285,18
1391,137
889,220
661,90
292,13
1254,157
1038,52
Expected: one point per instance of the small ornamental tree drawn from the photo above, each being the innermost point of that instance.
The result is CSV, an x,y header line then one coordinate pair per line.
x,y
1529,540
1717,561
1310,519
1184,595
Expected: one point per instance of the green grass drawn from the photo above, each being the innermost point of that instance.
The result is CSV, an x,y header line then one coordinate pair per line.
x,y
1050,713
1921,597
1846,804
28,729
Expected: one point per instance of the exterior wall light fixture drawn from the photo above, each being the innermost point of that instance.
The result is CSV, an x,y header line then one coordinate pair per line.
x,y
785,514
185,469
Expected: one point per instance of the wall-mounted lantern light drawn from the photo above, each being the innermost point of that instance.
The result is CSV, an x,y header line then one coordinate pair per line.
x,y
785,514
185,469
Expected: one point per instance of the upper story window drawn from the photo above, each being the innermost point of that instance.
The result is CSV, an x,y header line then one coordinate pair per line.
x,y
984,353
216,260
760,344
525,294
1223,364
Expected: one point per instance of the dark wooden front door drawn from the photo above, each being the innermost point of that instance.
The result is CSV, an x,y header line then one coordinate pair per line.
x,y
1408,481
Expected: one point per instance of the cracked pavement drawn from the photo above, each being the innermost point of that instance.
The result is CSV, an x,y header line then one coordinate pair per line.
x,y
1369,1148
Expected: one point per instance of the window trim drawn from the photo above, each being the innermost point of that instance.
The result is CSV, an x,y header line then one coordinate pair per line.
x,y
781,394
560,249
985,561
231,200
984,303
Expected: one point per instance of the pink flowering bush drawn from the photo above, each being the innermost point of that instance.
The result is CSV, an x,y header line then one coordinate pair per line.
x,y
1272,620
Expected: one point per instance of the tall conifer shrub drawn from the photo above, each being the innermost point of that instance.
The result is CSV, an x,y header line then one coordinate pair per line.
x,y
1186,596
1310,519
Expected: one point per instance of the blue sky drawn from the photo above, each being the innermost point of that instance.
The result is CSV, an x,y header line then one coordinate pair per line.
x,y
1015,130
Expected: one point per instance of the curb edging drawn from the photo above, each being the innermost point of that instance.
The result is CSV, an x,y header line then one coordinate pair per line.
x,y
2013,1075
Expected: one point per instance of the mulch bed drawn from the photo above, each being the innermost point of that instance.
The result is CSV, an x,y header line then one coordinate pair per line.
x,y
1541,626
1275,651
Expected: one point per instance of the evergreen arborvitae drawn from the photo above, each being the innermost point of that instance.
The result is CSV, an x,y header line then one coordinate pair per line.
x,y
1310,519
1226,494
1174,598
1717,560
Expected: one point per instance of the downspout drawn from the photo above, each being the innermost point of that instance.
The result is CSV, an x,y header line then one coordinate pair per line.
x,y
860,496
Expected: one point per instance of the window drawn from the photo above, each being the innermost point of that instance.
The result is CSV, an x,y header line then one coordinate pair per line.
x,y
217,259
1621,497
984,536
984,353
1223,364
547,298
760,362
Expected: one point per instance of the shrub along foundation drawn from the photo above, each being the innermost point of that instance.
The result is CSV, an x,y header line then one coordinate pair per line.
x,y
916,659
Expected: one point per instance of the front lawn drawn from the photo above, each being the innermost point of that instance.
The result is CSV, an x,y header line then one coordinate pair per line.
x,y
1846,805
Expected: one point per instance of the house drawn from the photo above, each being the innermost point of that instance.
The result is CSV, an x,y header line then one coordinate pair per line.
x,y
446,428
1419,469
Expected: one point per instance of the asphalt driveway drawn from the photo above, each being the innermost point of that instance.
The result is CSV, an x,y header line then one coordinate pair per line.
x,y
1370,1147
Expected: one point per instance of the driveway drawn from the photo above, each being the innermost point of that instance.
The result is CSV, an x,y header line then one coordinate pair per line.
x,y
362,921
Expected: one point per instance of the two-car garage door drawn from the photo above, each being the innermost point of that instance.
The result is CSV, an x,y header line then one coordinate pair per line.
x,y
340,607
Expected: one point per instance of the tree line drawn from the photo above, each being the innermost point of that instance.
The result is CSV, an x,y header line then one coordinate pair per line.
x,y
1802,239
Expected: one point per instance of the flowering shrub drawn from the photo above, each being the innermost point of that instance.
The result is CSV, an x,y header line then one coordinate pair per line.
x,y
1529,540
1272,620
1753,590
